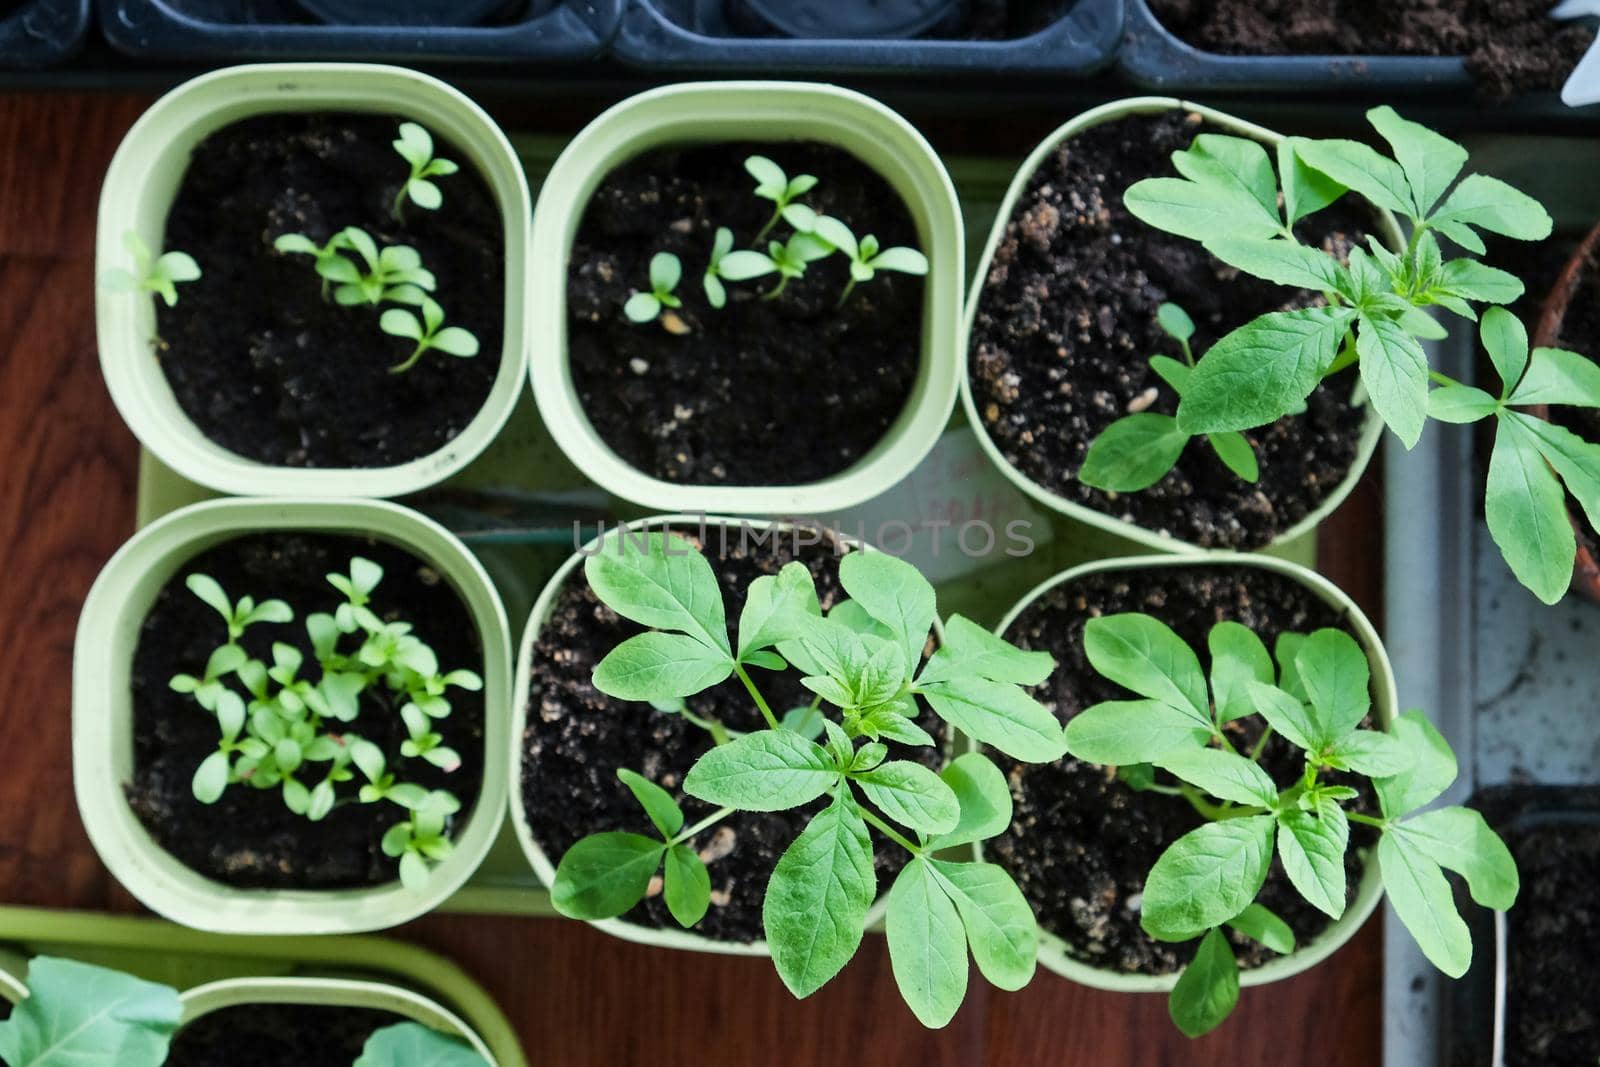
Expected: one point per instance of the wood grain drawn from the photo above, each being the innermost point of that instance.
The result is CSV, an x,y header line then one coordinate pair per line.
x,y
577,996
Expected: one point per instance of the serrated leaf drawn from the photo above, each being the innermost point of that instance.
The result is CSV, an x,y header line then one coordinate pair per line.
x,y
1527,513
1506,340
1430,161
1224,775
1281,261
893,592
1262,370
983,798
1123,732
1369,752
1360,168
660,666
1577,461
998,714
1237,164
1304,190
1460,840
1142,653
1206,877
656,802
79,1014
1460,404
1333,670
1198,212
1420,895
686,885
1395,371
1208,988
1556,376
1432,770
1133,453
1491,204
1471,280
927,945
604,875
1238,658
770,770
1312,847
667,586
911,795
969,649
777,608
817,900
1001,930
1259,923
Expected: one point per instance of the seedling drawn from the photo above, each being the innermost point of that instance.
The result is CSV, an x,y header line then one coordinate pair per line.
x,y
1179,741
325,257
721,245
1376,311
394,273
415,146
864,661
665,272
786,259
276,726
773,184
151,274
429,333
1138,450
866,259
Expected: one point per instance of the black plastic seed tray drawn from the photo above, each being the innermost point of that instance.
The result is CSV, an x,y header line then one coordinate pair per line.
x,y
41,33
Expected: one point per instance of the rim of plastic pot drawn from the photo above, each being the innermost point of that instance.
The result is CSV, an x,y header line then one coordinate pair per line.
x,y
328,993
1372,428
664,937
700,112
139,189
13,966
102,720
1053,950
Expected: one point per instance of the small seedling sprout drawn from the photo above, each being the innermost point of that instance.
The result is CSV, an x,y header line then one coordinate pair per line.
x,y
429,333
773,184
324,256
415,145
150,274
394,273
866,259
721,245
665,272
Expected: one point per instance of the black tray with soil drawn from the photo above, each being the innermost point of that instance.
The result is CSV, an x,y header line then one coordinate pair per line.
x,y
761,392
576,738
1067,320
248,838
267,367
1081,841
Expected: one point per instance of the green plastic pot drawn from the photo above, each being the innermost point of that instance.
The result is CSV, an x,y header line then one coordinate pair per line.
x,y
740,111
139,189
13,972
1054,952
328,993
1371,430
102,718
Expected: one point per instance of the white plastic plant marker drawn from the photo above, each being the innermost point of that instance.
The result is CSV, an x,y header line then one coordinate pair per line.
x,y
1583,84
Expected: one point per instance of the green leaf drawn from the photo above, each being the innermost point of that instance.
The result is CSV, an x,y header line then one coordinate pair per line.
x,y
1333,670
416,1045
1304,189
1460,840
1208,988
1235,452
1262,370
667,586
777,608
1142,653
1237,658
1577,461
893,592
1490,204
1312,847
1395,371
1421,896
1430,161
604,875
998,714
972,651
770,770
817,900
78,1014
1556,376
211,778
768,174
1432,770
1357,167
1234,164
1171,371
1460,404
1506,340
1123,732
1369,752
686,885
1001,930
1224,775
665,272
657,802
658,666
1133,453
911,795
927,948
983,798
1260,924
1175,322
1471,280
1287,715
805,721
640,307
1206,877
1281,261
1198,212
1527,513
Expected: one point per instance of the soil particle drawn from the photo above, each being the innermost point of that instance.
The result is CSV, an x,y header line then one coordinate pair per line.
x,y
274,1035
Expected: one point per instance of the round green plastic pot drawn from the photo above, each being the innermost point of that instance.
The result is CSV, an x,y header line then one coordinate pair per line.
x,y
1371,430
102,718
139,190
667,937
1054,952
328,993
740,111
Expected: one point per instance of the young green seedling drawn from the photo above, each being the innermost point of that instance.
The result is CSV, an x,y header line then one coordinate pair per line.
x,y
1376,312
150,274
665,272
415,145
721,246
427,333
281,728
1207,880
394,273
1138,450
864,660
773,184
866,259
323,256
785,259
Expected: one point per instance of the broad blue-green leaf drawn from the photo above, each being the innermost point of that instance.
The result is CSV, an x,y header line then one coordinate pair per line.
x,y
1142,653
77,1014
1237,658
1133,453
1471,280
686,885
1369,752
973,651
1225,775
661,666
911,795
1527,513
1196,211
1287,715
604,875
1281,261
1395,371
927,945
1259,923
1358,167
414,1045
1304,190
1421,896
1460,404
1459,839
893,592
817,900
656,802
984,799
659,580
1262,370
1001,930
1124,732
1208,988
776,608
1506,340
1490,204
1577,461
1312,847
769,770
1432,770
1333,670
1430,161
1556,376
998,714
1206,877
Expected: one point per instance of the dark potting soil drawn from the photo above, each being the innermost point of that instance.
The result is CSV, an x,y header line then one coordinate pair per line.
x,y
577,738
259,360
1510,46
1067,322
249,838
762,392
276,1035
1081,842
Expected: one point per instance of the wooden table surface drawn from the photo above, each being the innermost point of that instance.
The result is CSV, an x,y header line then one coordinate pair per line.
x,y
577,996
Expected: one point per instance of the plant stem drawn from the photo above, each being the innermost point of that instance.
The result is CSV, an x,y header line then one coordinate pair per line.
x,y
777,213
1347,355
411,361
1366,820
1261,743
755,694
845,295
1439,378
783,280
1213,812
719,733
710,820
890,832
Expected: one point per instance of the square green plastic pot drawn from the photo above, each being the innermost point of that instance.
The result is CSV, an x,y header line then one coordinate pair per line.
x,y
1055,953
1372,428
328,993
102,718
743,111
138,193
